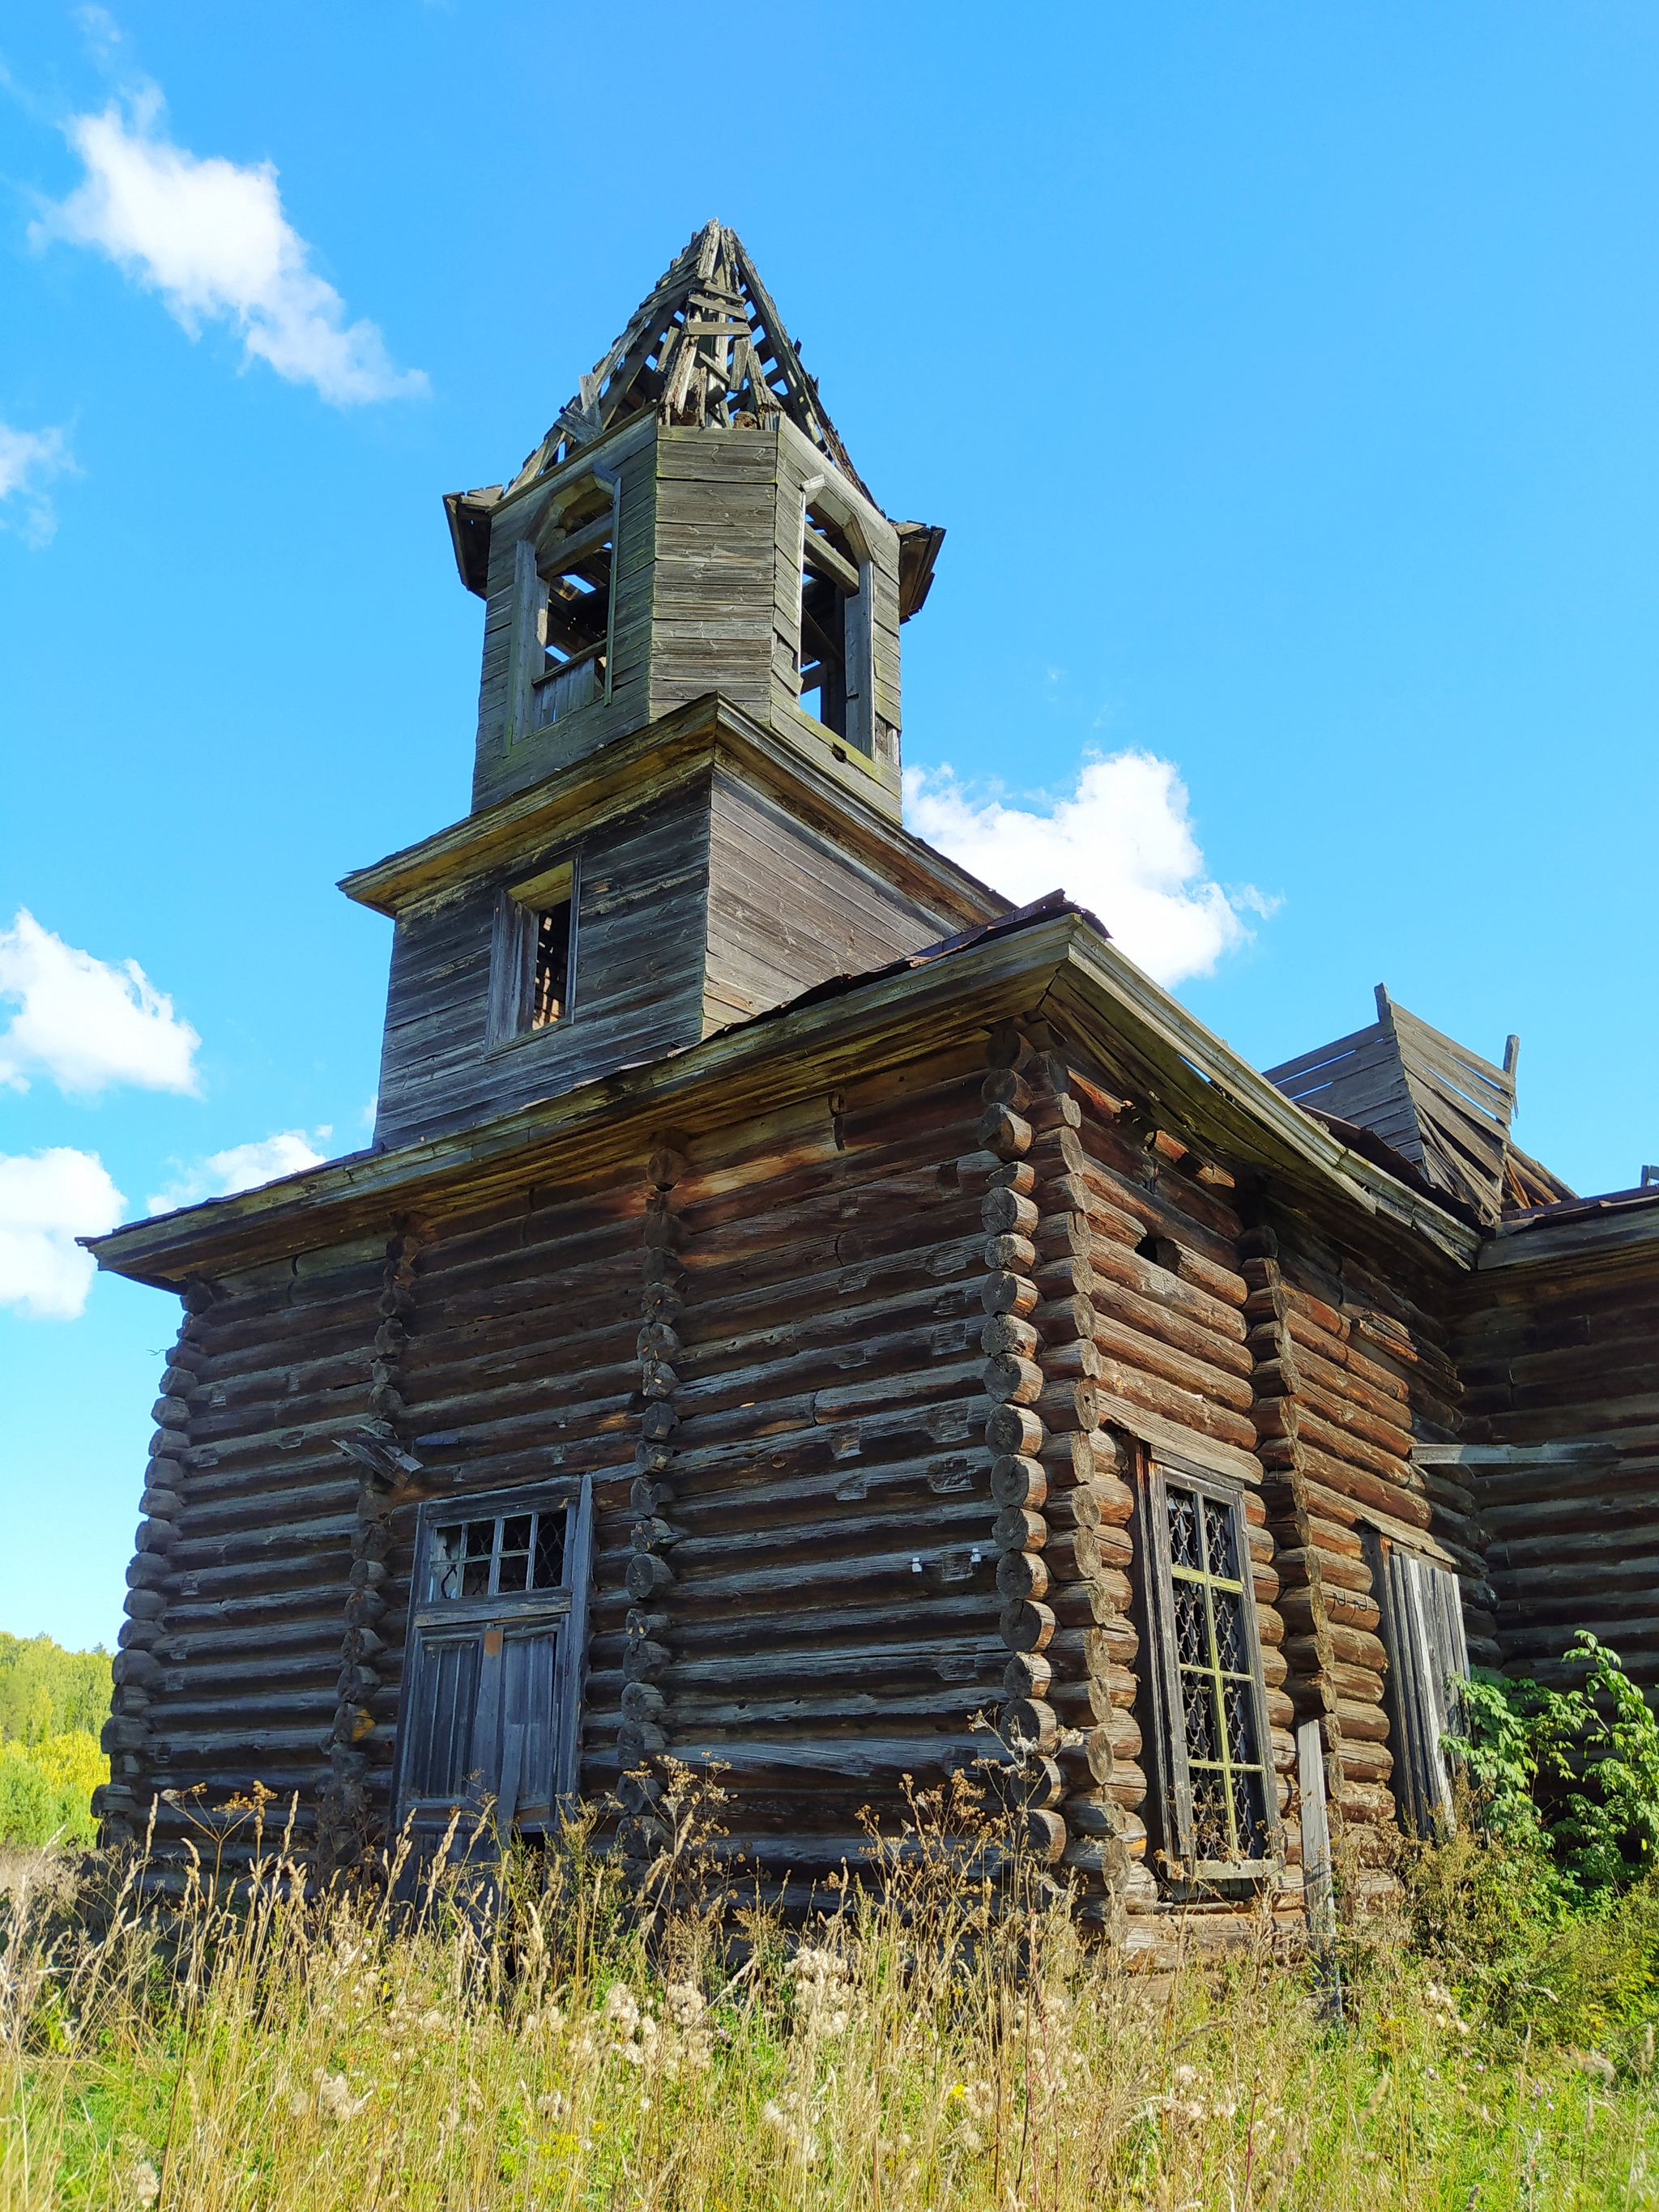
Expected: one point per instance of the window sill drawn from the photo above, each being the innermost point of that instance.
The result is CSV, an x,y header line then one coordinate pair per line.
x,y
523,1037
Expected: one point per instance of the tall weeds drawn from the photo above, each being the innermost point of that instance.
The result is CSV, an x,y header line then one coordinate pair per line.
x,y
934,2031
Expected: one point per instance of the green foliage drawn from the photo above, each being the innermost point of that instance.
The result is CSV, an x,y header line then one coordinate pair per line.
x,y
45,1691
53,1703
46,1790
1567,1780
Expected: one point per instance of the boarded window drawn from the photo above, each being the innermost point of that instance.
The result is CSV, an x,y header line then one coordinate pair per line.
x,y
1422,1626
533,957
1215,1801
497,1647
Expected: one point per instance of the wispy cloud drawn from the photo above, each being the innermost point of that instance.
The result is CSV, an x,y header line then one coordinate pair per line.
x,y
212,238
46,1201
240,1167
1121,843
29,460
86,1023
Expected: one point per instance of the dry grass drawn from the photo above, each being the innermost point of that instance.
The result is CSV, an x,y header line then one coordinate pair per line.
x,y
927,2045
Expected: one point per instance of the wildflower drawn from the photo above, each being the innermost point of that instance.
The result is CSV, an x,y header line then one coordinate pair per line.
x,y
684,2002
622,2008
146,2182
555,2103
334,2096
979,2100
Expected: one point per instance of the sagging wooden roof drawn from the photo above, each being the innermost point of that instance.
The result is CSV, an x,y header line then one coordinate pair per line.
x,y
1433,1102
1052,957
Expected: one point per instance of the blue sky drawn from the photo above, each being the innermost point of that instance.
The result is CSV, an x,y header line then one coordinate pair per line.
x,y
1284,376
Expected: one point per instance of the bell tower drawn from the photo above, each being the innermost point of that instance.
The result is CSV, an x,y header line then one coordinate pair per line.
x,y
691,522
686,803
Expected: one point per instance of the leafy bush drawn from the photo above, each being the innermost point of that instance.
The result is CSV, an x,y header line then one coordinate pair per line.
x,y
1567,1778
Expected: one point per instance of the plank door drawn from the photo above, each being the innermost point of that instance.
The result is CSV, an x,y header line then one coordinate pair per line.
x,y
494,1675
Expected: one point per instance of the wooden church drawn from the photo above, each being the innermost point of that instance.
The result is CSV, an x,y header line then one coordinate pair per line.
x,y
796,1308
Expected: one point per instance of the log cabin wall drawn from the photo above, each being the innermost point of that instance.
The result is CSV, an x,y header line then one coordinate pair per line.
x,y
1350,1372
228,1670
1557,1341
816,1595
1143,1295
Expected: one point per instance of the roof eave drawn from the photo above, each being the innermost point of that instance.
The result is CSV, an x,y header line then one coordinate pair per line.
x,y
1193,1079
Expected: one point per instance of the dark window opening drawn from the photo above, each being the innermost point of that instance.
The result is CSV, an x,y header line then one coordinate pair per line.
x,y
550,984
832,587
577,570
534,955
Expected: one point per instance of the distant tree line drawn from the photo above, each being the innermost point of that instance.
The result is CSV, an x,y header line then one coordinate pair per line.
x,y
53,1703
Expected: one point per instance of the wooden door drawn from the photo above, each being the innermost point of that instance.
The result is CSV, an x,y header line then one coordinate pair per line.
x,y
491,1714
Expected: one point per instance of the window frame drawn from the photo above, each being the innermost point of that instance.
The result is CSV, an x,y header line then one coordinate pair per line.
x,y
549,549
566,1602
858,618
1171,1779
1419,1629
519,909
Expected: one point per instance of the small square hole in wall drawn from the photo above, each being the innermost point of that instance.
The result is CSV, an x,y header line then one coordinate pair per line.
x,y
533,962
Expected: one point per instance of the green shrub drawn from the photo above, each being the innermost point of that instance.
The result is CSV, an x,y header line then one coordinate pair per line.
x,y
45,1789
1566,1780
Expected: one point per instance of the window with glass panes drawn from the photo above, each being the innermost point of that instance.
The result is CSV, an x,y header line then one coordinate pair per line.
x,y
1221,1813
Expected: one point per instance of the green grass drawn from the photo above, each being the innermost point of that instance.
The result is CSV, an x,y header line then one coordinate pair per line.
x,y
928,2045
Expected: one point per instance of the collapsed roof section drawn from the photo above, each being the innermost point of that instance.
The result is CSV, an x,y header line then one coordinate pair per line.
x,y
706,347
1430,1100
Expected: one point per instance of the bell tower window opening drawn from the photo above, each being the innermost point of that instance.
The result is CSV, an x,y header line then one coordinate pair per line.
x,y
836,675
577,570
562,608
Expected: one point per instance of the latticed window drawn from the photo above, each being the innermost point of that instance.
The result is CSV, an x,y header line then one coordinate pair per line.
x,y
1220,1811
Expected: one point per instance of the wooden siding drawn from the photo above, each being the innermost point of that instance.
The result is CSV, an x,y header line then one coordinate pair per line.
x,y
787,909
712,592
639,979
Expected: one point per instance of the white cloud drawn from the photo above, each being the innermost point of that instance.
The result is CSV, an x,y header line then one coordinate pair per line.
x,y
29,459
45,1203
240,1167
87,1023
1122,844
212,239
